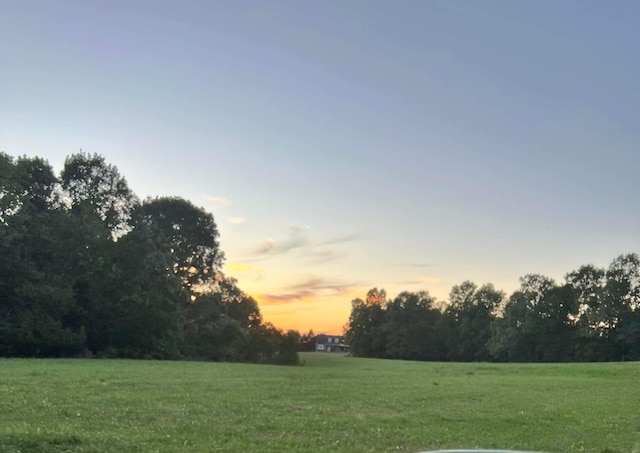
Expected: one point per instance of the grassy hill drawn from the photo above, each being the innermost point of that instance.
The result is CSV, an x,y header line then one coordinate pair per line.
x,y
331,404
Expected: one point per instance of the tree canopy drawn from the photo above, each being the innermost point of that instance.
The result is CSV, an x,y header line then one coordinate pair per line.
x,y
86,269
89,269
594,315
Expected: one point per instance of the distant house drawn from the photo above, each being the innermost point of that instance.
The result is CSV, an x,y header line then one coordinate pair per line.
x,y
330,343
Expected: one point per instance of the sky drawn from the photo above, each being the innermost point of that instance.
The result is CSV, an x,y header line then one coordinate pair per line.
x,y
343,145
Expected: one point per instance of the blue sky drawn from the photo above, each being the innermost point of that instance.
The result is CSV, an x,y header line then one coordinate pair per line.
x,y
343,145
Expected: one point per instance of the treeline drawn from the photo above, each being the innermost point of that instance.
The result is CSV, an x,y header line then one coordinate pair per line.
x,y
594,315
87,269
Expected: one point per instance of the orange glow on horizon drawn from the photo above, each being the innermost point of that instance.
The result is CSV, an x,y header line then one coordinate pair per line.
x,y
322,314
316,311
329,323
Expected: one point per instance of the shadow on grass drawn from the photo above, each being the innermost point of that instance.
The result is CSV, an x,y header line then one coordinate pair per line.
x,y
40,444
53,444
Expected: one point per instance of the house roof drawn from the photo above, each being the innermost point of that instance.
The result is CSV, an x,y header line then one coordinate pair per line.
x,y
323,338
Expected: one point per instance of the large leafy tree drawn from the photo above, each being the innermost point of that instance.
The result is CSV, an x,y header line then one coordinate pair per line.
x,y
218,323
10,183
239,305
608,315
621,310
36,301
588,284
189,235
25,183
365,332
134,308
472,310
537,323
85,268
91,186
411,324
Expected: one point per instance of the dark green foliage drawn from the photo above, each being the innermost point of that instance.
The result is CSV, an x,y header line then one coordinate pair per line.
x,y
35,285
210,333
307,342
538,324
366,335
408,327
411,328
92,185
470,314
226,325
187,234
85,269
268,344
594,316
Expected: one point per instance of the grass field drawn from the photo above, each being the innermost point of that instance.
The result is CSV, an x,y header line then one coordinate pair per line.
x,y
331,404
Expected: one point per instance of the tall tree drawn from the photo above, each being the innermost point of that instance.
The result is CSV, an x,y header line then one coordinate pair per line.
x,y
35,283
365,333
609,309
592,342
135,307
86,268
238,304
189,235
411,328
472,310
25,182
537,323
622,309
218,323
210,333
93,186
9,187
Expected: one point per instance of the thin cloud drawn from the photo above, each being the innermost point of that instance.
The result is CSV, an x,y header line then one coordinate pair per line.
x,y
278,299
217,200
307,291
236,220
298,237
318,283
324,256
248,272
339,239
265,246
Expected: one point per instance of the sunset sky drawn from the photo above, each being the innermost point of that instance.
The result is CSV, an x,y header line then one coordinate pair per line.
x,y
347,144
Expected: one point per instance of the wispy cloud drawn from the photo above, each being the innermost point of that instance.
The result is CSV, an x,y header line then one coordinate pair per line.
x,y
236,220
324,256
265,246
338,239
276,299
319,283
298,237
315,250
248,272
307,291
217,200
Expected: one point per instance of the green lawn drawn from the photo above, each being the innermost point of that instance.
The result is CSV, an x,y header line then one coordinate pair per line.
x,y
332,404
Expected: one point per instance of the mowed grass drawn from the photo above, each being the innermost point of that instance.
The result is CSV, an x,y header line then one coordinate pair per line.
x,y
331,404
